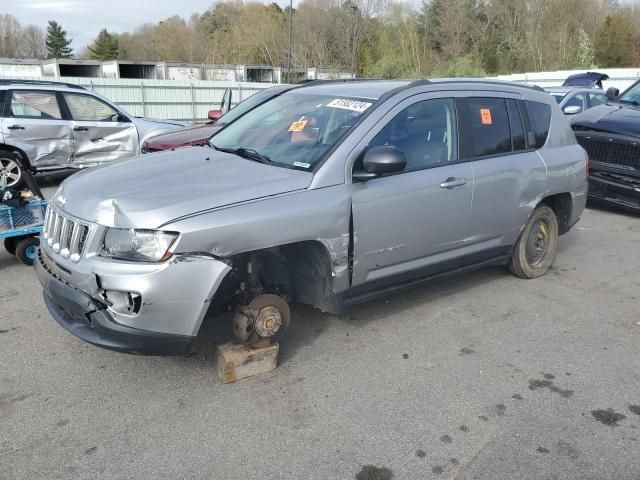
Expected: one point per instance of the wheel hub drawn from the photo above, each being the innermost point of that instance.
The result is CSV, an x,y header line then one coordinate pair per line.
x,y
263,321
537,243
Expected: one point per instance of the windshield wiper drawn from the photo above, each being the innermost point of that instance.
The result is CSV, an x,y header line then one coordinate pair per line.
x,y
247,153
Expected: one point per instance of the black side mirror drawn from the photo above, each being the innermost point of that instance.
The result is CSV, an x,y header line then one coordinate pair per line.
x,y
612,93
225,104
380,161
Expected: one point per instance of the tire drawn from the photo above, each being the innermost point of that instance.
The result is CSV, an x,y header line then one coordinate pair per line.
x,y
10,172
27,249
10,245
536,248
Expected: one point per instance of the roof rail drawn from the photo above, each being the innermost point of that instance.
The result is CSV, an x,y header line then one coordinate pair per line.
x,y
6,81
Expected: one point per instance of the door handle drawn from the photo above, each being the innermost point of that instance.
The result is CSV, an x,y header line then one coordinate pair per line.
x,y
80,129
15,127
452,182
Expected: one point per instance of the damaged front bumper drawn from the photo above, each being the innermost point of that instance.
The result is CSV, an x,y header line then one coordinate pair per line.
x,y
617,189
173,298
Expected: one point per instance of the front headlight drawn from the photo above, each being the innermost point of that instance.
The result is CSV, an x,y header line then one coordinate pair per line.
x,y
141,245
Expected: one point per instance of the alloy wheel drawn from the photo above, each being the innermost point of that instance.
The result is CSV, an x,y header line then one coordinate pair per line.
x,y
10,172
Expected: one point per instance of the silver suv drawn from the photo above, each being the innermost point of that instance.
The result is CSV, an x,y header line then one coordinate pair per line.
x,y
55,126
326,195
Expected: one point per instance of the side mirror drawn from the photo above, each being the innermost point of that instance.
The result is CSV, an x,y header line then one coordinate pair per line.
x,y
225,104
122,118
572,109
214,115
380,161
612,93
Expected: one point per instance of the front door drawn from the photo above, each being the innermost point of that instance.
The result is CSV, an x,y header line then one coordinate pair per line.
x,y
100,132
416,222
33,122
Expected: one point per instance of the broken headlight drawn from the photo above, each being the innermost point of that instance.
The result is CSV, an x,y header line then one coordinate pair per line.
x,y
139,245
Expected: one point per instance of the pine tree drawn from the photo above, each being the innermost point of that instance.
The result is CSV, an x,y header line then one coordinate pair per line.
x,y
105,46
57,42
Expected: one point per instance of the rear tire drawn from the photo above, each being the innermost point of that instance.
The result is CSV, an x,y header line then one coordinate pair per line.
x,y
27,249
536,248
10,245
11,175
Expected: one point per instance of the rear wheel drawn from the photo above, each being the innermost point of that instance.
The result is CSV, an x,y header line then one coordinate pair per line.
x,y
27,249
10,245
10,172
536,248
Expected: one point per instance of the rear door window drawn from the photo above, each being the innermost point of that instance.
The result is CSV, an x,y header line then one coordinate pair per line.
x,y
38,105
539,119
486,127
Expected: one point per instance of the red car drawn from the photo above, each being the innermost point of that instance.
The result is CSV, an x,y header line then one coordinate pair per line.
x,y
199,135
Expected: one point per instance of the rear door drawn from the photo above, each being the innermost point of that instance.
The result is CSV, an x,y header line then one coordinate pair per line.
x,y
414,223
100,132
509,175
34,122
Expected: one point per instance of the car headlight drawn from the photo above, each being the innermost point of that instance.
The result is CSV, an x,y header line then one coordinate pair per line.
x,y
140,245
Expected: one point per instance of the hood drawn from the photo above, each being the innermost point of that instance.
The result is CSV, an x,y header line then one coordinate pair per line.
x,y
151,190
588,79
154,122
182,138
612,118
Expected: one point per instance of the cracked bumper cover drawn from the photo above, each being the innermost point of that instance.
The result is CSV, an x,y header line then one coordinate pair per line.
x,y
169,318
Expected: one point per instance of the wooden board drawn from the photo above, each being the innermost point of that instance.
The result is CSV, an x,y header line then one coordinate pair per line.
x,y
237,361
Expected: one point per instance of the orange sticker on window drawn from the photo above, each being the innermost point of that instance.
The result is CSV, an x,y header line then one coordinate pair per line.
x,y
485,116
298,126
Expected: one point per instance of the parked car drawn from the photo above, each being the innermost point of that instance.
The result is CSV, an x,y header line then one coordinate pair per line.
x,y
55,126
326,195
611,136
195,136
574,100
586,79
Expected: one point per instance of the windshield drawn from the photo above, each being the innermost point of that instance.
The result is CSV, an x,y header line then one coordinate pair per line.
x,y
293,130
632,95
558,96
246,105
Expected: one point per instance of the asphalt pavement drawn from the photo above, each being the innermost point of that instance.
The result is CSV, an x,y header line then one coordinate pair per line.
x,y
483,376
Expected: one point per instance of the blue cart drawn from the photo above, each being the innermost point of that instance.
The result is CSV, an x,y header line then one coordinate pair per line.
x,y
20,227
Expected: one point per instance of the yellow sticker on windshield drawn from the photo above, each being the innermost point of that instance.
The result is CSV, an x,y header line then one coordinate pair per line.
x,y
298,126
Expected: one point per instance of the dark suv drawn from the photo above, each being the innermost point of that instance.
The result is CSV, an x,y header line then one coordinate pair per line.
x,y
611,136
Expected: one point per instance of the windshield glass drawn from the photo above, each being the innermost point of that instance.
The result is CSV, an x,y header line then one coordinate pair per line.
x,y
246,105
293,130
558,96
632,95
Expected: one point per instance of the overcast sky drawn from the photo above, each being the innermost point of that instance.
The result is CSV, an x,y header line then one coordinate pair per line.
x,y
83,19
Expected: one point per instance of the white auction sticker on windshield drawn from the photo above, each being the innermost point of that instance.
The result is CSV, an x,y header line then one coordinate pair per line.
x,y
346,104
301,164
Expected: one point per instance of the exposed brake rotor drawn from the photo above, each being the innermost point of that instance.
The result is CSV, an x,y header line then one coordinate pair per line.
x,y
263,321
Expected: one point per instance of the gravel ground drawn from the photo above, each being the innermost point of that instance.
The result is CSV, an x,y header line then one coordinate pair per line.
x,y
483,376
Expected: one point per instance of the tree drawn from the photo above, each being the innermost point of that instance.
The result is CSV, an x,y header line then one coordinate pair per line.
x,y
105,46
614,45
57,42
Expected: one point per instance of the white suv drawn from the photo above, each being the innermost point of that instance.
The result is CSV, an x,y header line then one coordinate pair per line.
x,y
55,126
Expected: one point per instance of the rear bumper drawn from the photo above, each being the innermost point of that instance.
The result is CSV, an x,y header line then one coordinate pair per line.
x,y
609,190
90,321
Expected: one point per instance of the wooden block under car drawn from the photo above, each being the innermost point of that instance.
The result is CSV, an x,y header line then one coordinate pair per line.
x,y
237,361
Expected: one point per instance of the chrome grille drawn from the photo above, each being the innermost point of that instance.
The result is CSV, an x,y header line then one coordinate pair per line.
x,y
64,235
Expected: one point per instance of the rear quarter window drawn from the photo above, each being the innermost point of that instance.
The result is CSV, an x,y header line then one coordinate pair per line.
x,y
540,119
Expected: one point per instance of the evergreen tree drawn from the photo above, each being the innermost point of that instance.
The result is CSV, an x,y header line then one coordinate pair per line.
x,y
105,46
57,42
